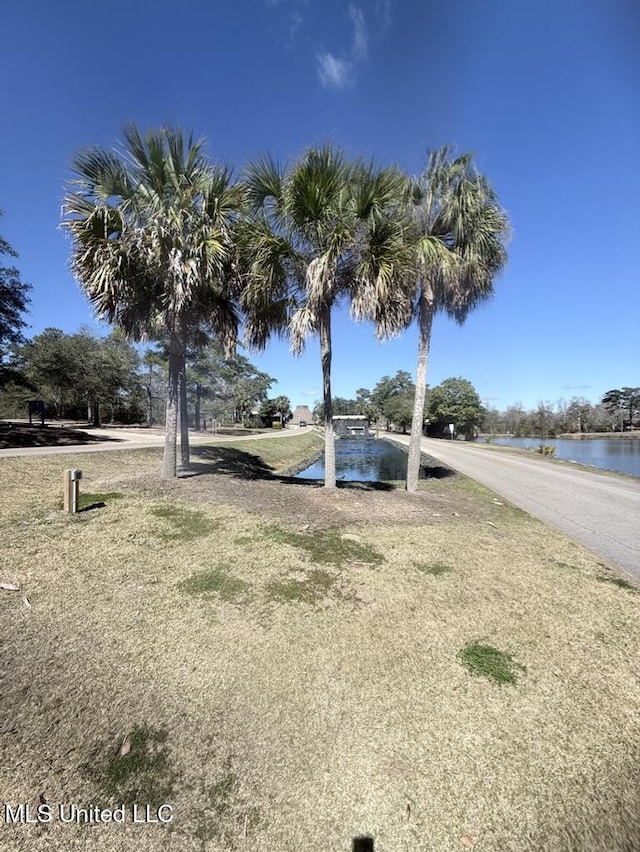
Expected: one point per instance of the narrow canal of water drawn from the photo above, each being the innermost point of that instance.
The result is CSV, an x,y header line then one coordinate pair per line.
x,y
363,460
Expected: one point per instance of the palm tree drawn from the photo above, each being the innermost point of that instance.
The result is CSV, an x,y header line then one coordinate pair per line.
x,y
459,248
152,231
320,233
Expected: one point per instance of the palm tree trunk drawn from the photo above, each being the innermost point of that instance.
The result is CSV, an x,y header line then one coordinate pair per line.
x,y
425,321
329,439
184,416
169,463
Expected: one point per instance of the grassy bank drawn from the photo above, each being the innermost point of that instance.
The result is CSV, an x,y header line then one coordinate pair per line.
x,y
291,669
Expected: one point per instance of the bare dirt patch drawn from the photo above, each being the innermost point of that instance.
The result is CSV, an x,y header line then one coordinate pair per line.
x,y
236,476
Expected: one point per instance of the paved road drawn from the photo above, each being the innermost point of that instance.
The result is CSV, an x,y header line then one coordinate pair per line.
x,y
600,512
132,439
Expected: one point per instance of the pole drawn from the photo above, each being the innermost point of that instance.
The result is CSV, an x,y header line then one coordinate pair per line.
x,y
71,494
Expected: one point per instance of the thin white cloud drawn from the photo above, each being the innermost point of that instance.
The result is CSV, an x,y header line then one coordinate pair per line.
x,y
333,72
575,387
290,10
383,12
310,393
338,72
360,43
295,22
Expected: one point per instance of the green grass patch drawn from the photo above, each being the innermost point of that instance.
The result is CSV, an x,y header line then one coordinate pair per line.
x,y
487,661
222,806
214,582
620,582
182,524
434,568
266,455
315,586
243,539
137,771
325,546
88,498
93,499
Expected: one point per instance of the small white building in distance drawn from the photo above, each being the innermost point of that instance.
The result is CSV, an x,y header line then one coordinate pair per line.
x,y
301,413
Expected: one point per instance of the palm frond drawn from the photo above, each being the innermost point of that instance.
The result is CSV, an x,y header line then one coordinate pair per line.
x,y
263,185
152,232
302,324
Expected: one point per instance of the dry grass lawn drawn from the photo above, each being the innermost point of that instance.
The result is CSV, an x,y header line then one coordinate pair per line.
x,y
291,670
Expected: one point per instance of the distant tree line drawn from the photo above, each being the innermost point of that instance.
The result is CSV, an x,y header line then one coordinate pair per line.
x,y
86,378
455,401
617,411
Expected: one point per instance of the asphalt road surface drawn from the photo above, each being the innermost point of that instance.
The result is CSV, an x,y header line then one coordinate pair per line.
x,y
600,512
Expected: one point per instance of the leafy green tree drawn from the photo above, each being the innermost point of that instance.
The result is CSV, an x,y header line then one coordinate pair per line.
x,y
153,246
365,406
341,406
622,401
399,410
393,398
458,249
282,406
543,420
229,388
321,232
76,374
455,401
14,300
53,368
279,408
632,399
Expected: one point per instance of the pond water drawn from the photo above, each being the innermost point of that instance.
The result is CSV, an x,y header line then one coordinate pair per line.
x,y
621,454
363,460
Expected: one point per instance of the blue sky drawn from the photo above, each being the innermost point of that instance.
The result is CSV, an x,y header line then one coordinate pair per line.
x,y
545,94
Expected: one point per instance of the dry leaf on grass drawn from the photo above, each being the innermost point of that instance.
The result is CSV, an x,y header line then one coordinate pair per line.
x,y
26,602
492,525
467,841
9,587
125,748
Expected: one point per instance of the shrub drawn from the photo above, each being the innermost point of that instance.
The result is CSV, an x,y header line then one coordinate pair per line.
x,y
544,450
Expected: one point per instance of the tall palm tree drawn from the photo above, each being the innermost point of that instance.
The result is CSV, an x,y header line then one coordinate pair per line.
x,y
459,248
320,233
152,231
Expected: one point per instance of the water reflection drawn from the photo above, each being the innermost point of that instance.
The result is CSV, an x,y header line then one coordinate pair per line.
x,y
363,460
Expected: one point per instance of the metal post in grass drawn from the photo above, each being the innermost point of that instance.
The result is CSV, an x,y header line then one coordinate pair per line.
x,y
71,497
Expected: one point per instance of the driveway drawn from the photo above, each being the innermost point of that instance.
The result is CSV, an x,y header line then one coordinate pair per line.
x,y
600,512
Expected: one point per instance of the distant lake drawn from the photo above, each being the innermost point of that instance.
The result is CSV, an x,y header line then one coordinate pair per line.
x,y
363,460
621,454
